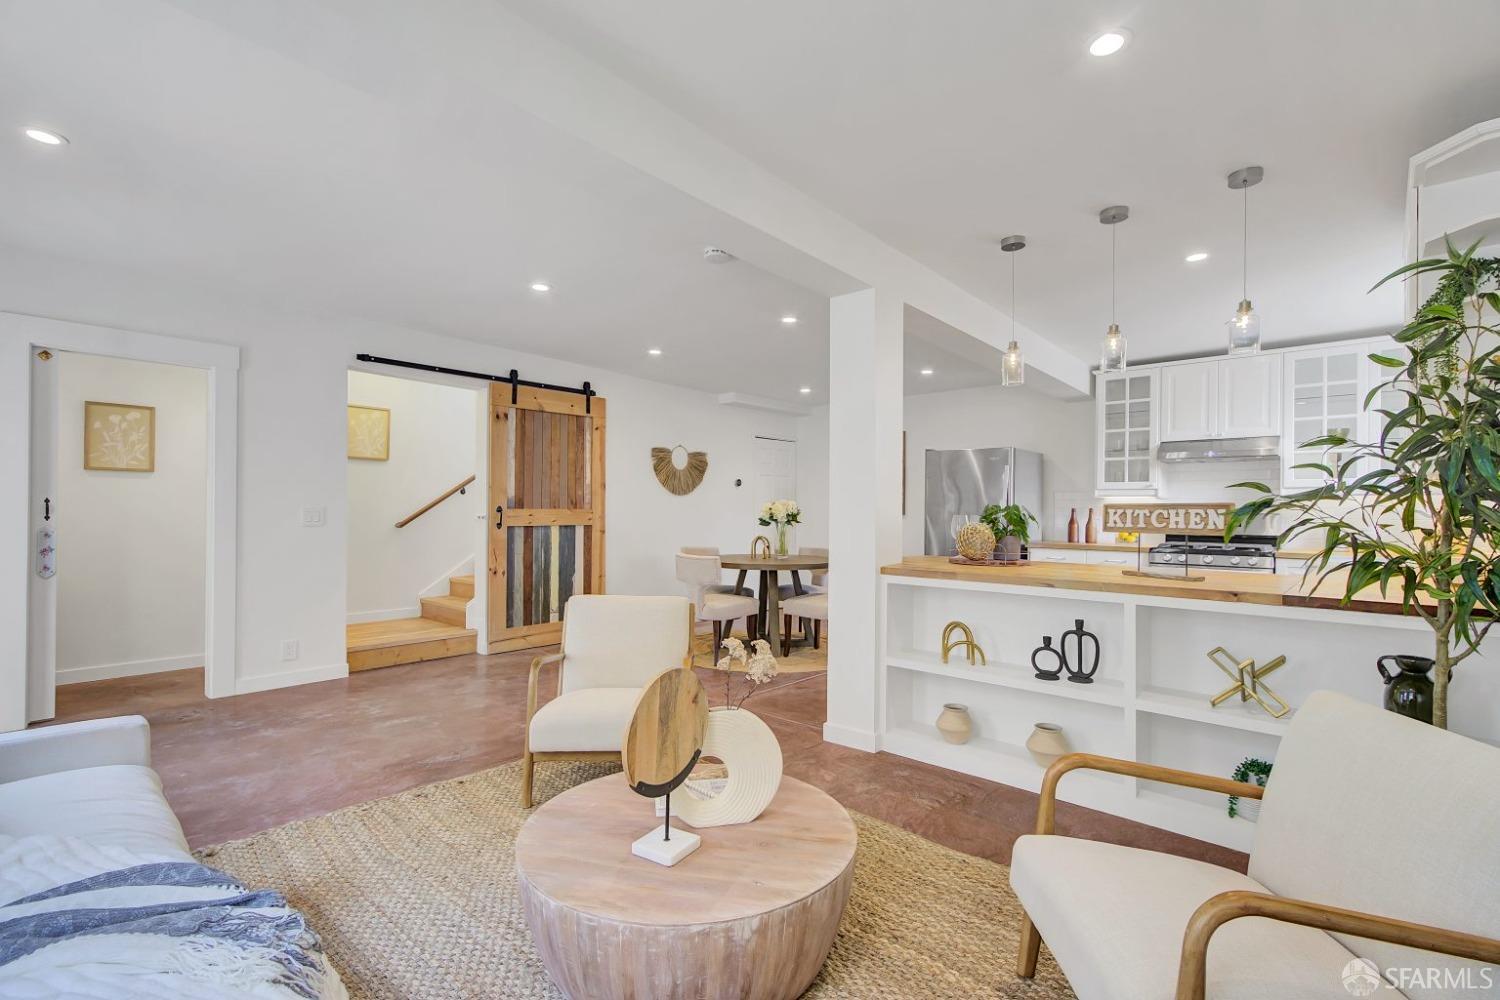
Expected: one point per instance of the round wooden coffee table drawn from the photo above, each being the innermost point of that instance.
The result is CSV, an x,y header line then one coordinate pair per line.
x,y
752,913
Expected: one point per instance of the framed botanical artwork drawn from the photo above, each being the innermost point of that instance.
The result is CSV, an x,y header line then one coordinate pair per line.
x,y
369,433
119,437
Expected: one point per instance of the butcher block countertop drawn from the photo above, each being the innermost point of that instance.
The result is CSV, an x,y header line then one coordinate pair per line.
x,y
1273,589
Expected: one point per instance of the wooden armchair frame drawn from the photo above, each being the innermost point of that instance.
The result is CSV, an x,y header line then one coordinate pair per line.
x,y
1218,910
529,757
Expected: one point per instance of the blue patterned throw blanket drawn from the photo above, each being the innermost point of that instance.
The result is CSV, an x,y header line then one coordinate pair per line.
x,y
158,928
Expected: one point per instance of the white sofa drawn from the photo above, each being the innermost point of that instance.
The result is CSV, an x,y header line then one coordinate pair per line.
x,y
93,781
1371,824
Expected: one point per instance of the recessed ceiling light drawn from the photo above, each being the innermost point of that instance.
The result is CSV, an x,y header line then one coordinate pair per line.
x,y
540,286
45,137
805,389
926,371
789,320
1196,256
1109,43
654,351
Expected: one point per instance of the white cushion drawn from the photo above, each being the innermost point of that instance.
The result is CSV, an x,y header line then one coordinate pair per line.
x,y
1353,790
117,805
610,640
590,719
807,606
1113,918
727,607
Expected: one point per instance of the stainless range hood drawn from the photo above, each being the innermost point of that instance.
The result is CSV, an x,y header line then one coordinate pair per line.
x,y
1219,450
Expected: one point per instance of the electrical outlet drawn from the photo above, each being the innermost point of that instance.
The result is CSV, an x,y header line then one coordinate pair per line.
x,y
290,649
314,517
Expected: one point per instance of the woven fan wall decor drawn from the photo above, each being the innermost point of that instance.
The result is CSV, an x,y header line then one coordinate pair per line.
x,y
683,479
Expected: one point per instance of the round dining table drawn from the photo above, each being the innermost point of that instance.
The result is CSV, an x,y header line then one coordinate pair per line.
x,y
769,568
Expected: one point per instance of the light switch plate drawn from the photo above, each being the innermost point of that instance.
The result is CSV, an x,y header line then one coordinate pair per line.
x,y
314,517
290,649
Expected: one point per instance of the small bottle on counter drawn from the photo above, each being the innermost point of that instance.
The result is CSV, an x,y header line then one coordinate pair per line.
x,y
1073,524
1088,528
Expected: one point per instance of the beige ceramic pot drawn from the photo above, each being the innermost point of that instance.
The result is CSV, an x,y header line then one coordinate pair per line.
x,y
1047,743
954,723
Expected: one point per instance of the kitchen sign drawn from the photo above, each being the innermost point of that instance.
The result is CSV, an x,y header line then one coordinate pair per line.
x,y
1176,518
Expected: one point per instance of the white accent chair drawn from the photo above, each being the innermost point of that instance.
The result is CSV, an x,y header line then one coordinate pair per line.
x,y
810,607
612,646
710,550
1376,841
698,572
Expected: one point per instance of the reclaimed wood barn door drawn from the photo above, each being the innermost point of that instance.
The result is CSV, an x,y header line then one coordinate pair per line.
x,y
547,531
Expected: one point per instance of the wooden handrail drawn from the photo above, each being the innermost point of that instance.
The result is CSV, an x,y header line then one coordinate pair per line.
x,y
408,519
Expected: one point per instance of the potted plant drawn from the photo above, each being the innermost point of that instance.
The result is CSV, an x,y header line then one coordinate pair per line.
x,y
1417,508
1252,770
1009,523
783,514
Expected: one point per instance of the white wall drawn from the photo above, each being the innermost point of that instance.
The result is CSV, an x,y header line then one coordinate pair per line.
x,y
432,447
130,577
293,580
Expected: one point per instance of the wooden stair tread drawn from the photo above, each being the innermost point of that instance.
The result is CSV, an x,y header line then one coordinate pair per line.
x,y
400,632
458,603
461,586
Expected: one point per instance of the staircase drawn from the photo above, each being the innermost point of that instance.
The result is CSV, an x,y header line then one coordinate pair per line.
x,y
439,632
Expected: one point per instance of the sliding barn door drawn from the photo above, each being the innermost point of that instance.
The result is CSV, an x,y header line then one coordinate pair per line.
x,y
547,528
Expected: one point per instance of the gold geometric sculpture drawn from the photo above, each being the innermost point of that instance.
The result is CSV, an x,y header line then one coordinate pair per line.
x,y
760,548
679,480
976,542
1248,680
967,643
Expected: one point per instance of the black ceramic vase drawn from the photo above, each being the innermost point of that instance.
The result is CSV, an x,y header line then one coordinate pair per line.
x,y
1046,649
1078,673
1408,691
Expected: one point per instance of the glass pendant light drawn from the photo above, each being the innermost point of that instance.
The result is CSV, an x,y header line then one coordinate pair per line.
x,y
1013,369
1112,357
1244,328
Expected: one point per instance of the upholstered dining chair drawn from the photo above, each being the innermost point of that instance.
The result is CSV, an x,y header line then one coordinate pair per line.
x,y
710,550
612,646
810,607
698,572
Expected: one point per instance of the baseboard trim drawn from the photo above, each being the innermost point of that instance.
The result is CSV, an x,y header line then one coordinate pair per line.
x,y
291,678
389,614
129,668
859,739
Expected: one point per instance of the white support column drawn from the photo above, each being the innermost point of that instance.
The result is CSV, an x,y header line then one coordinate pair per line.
x,y
865,391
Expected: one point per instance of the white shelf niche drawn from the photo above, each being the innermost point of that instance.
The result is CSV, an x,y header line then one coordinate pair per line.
x,y
1006,675
1211,748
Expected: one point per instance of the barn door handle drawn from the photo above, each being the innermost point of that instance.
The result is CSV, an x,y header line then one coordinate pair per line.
x,y
46,508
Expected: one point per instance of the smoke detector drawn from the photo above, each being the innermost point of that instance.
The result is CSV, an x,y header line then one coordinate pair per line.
x,y
716,256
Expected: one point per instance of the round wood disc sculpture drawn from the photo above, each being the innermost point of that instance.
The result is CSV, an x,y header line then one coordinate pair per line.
x,y
679,479
662,744
976,542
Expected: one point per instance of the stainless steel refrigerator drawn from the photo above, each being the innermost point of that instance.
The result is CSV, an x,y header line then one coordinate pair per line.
x,y
967,481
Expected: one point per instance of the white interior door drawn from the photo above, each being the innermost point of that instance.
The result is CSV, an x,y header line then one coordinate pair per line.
x,y
775,470
41,631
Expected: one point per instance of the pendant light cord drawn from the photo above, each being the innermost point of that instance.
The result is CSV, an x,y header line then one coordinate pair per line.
x,y
1112,230
1013,296
1245,247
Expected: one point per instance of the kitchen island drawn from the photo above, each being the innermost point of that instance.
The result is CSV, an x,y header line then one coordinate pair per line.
x,y
1149,699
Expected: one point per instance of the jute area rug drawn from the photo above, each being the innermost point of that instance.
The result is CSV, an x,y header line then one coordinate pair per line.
x,y
415,897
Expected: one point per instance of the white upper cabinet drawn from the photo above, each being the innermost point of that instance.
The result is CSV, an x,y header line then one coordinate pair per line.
x,y
1127,432
1223,398
1190,401
1250,396
1325,390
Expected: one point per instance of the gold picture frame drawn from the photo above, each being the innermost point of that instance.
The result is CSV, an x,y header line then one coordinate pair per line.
x,y
119,437
369,433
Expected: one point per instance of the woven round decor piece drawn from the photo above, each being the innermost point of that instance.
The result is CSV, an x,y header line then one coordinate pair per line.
x,y
679,479
976,541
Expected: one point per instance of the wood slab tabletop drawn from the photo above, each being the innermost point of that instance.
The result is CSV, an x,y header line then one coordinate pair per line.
x,y
1274,589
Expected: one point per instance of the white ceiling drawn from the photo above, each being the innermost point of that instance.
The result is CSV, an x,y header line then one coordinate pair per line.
x,y
942,127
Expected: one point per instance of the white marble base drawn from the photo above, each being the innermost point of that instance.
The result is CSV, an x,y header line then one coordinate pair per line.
x,y
655,847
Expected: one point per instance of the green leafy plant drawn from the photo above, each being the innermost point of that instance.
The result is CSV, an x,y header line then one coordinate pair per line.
x,y
1010,520
1252,770
1420,507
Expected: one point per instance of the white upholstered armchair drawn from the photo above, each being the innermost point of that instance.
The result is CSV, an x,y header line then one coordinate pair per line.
x,y
1376,849
612,646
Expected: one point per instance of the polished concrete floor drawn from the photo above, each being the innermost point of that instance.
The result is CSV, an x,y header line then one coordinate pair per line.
x,y
234,766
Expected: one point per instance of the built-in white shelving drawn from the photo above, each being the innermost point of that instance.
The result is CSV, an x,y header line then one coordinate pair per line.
x,y
1150,697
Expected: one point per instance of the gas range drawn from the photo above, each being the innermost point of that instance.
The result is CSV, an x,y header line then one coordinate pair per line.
x,y
1245,554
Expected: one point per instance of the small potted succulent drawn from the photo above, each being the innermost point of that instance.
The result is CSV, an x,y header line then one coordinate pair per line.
x,y
1010,523
1255,771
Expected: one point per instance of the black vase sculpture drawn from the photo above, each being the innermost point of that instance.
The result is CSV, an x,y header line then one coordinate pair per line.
x,y
1046,647
1079,674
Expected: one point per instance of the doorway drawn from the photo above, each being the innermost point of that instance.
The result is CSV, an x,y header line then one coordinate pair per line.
x,y
775,470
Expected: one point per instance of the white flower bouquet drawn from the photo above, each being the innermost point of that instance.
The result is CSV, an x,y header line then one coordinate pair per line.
x,y
783,514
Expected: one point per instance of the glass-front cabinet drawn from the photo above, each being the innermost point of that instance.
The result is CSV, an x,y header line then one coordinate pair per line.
x,y
1128,431
1325,390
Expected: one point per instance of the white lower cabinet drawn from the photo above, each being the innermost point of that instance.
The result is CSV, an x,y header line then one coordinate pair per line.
x,y
1042,554
1109,557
